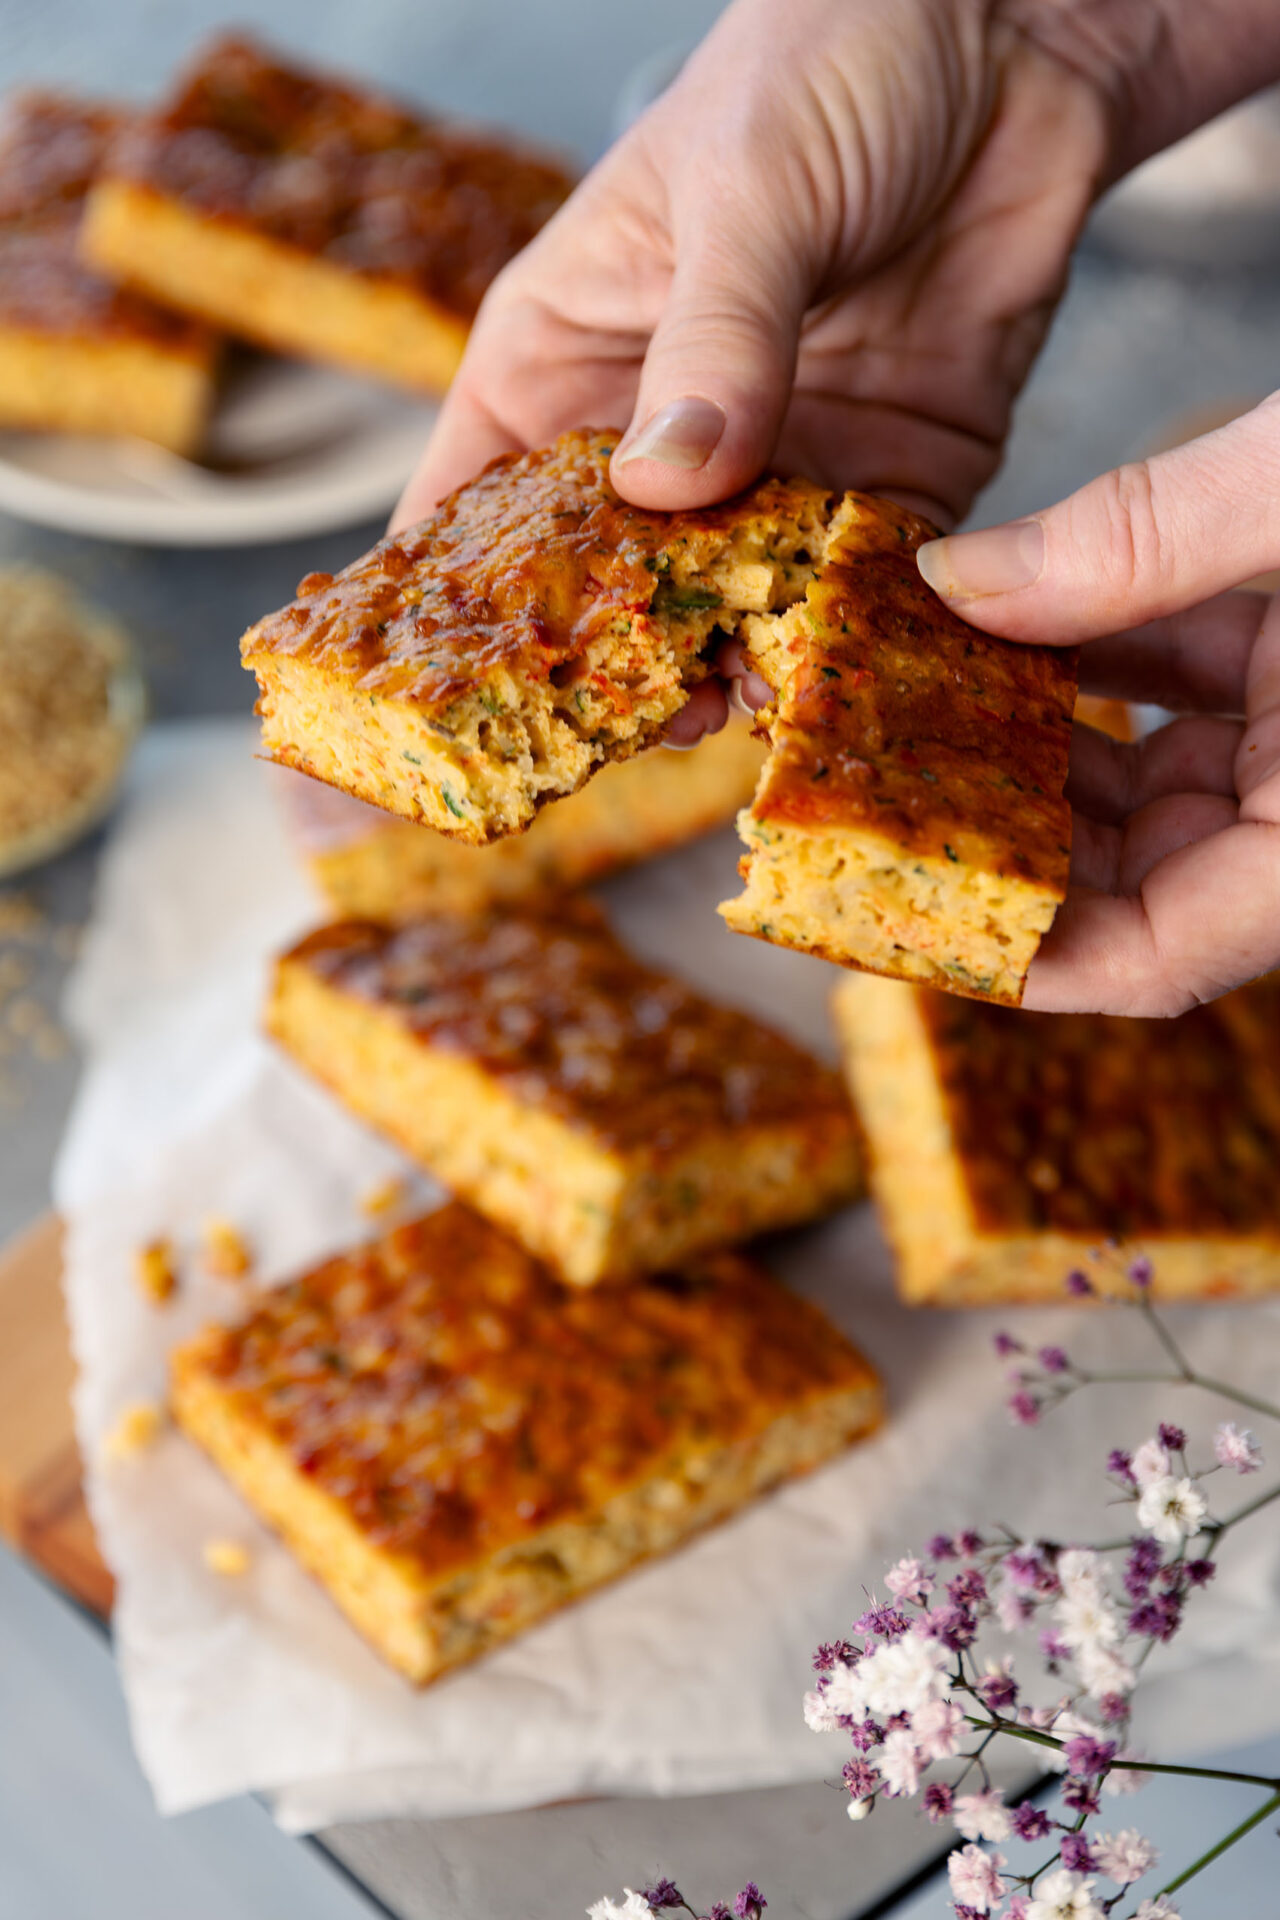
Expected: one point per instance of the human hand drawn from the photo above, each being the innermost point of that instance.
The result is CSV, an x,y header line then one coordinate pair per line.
x,y
834,243
1175,859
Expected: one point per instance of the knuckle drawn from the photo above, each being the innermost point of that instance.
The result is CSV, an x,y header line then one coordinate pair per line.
x,y
1136,548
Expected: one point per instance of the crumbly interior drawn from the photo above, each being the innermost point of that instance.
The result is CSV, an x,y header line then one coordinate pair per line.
x,y
917,1174
591,1214
371,867
74,384
852,896
510,743
423,1626
259,288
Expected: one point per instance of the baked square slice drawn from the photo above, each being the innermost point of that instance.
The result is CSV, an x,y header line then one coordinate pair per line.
x,y
77,354
610,1117
316,218
369,865
1006,1148
455,1446
465,672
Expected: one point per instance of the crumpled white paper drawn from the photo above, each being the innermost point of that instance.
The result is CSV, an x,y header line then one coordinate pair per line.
x,y
686,1676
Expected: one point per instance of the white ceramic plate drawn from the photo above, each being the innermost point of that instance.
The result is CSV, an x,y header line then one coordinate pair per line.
x,y
292,450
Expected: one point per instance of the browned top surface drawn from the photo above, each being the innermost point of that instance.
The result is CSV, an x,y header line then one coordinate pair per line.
x,y
454,1399
362,180
566,1020
50,151
519,570
1092,1123
903,718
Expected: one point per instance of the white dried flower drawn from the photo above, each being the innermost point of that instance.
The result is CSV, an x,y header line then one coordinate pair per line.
x,y
1172,1509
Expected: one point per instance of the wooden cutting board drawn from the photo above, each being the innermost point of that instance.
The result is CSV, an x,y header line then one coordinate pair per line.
x,y
42,1509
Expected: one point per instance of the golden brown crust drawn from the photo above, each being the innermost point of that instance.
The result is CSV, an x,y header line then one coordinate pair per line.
x,y
518,573
556,1012
341,173
903,720
1088,1123
51,150
455,1401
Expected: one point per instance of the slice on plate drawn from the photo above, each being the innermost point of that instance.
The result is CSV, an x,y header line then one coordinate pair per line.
x,y
606,1114
317,218
369,865
1006,1148
77,354
910,818
455,1446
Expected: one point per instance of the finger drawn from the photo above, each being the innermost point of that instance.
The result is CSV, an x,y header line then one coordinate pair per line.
x,y
464,439
1204,920
748,691
1111,779
1257,768
719,368
704,712
1197,659
1135,545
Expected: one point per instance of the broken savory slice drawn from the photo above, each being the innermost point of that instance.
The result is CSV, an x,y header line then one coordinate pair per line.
x,y
78,354
371,866
1006,1148
910,818
606,1114
316,218
455,1446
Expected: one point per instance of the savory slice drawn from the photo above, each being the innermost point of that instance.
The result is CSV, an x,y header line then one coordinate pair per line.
x,y
455,1446
1007,1148
314,217
910,818
78,354
371,866
606,1114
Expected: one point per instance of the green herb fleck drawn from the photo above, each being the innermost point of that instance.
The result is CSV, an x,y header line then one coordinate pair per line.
x,y
411,757
951,853
447,796
831,673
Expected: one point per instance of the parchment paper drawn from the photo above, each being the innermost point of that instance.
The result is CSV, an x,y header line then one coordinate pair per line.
x,y
684,1677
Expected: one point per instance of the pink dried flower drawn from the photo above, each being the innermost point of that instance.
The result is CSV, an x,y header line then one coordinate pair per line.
x,y
750,1903
1005,1345
1150,1462
1125,1856
1024,1408
982,1816
1029,1823
1079,1284
975,1878
900,1762
938,1801
939,1728
1076,1853
1120,1465
1086,1755
1236,1447
910,1582
1174,1438
1141,1271
1054,1360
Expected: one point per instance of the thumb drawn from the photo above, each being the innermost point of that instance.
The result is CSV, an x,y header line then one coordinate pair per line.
x,y
718,372
1145,540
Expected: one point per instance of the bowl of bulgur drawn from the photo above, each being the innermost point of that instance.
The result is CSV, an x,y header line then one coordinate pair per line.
x,y
72,702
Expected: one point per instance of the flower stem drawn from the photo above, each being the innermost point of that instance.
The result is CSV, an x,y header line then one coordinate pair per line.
x,y
1122,1765
1228,1840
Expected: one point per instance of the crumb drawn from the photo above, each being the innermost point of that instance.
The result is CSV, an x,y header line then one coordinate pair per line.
x,y
227,1557
50,1043
138,1426
20,917
226,1253
155,1270
23,1016
385,1197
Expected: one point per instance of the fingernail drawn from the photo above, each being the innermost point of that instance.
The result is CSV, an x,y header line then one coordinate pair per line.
x,y
749,686
971,566
684,433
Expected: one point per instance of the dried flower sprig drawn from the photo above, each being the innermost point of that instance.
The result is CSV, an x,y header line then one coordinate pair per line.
x,y
665,1896
913,1691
